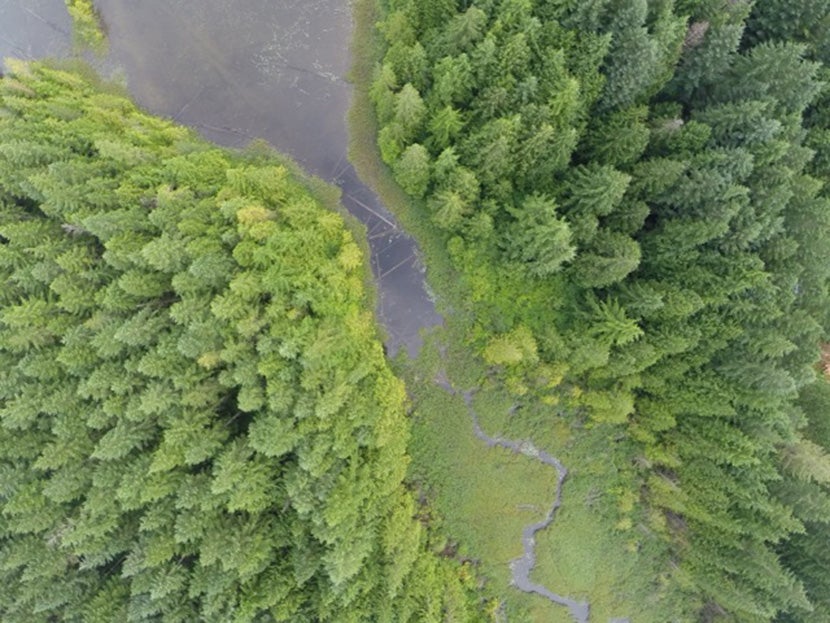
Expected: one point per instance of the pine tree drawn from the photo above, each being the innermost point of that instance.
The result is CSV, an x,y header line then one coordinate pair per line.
x,y
412,170
539,239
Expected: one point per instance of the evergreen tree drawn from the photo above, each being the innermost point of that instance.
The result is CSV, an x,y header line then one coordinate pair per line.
x,y
539,239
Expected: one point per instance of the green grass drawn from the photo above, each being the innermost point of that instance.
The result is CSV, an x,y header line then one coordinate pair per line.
x,y
483,497
480,497
582,554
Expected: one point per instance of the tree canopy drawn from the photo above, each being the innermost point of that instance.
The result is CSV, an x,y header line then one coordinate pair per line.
x,y
660,168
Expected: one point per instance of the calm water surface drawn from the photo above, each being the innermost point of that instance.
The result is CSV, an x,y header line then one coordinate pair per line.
x,y
243,69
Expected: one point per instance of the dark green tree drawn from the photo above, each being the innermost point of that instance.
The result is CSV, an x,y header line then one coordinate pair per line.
x,y
539,238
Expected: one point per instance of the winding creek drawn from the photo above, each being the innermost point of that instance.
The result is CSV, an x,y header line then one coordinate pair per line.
x,y
272,70
522,566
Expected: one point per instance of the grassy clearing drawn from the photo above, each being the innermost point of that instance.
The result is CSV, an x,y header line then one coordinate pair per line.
x,y
620,572
483,497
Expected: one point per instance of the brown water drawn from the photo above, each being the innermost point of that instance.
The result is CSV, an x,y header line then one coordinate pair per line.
x,y
243,69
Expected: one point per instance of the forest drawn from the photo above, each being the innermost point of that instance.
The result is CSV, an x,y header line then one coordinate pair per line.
x,y
197,421
625,213
633,197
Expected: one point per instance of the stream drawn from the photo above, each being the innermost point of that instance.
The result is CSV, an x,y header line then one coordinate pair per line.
x,y
249,69
522,566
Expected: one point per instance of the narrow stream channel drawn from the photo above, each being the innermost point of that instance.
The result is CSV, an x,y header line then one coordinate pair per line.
x,y
522,566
